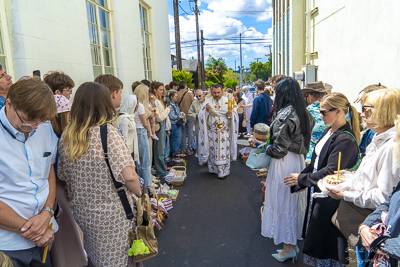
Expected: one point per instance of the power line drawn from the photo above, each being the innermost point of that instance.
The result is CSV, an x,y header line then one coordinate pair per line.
x,y
185,11
227,44
229,39
242,11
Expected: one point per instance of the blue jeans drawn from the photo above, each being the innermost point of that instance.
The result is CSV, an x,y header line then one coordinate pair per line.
x,y
144,168
159,151
176,138
187,128
167,148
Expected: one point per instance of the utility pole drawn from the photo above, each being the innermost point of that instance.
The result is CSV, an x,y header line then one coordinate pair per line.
x,y
257,58
203,72
177,36
199,65
241,65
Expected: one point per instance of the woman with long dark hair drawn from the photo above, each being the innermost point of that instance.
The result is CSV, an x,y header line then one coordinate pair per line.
x,y
290,135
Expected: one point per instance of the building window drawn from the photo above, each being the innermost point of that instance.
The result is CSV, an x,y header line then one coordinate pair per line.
x,y
144,23
98,15
2,52
288,41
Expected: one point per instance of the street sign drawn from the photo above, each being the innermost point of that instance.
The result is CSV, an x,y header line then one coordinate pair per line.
x,y
236,71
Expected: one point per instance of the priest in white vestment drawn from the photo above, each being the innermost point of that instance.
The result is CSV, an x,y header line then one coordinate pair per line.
x,y
248,100
218,133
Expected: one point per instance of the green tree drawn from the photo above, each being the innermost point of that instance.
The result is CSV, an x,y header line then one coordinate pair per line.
x,y
217,66
261,70
182,75
211,77
230,75
231,83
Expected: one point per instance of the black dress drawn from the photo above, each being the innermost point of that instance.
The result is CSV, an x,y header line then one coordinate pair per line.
x,y
324,244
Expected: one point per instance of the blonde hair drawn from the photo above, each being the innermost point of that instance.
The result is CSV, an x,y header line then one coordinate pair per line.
x,y
86,111
386,105
5,261
371,88
340,101
142,94
396,151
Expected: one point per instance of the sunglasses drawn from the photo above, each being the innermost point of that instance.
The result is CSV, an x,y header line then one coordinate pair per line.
x,y
324,111
28,124
364,108
198,96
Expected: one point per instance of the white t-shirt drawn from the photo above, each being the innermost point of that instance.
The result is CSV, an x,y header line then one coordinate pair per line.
x,y
319,146
140,111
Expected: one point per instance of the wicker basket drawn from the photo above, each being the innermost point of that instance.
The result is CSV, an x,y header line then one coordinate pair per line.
x,y
178,162
180,155
180,175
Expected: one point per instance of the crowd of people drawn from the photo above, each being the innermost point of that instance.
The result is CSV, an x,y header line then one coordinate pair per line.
x,y
315,131
71,157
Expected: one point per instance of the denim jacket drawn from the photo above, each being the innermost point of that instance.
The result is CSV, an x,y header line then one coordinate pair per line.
x,y
392,206
175,113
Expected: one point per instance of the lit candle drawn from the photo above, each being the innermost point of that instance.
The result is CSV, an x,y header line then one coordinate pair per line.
x,y
338,165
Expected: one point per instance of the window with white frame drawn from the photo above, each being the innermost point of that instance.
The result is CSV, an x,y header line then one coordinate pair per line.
x,y
144,23
98,15
2,50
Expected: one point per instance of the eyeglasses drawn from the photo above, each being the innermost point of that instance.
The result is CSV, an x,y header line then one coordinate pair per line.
x,y
28,124
324,111
198,96
364,108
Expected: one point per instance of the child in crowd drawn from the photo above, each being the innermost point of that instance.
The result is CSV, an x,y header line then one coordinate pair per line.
x,y
177,119
152,120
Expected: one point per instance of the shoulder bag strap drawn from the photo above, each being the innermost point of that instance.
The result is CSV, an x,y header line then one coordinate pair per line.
x,y
373,248
118,186
182,98
359,152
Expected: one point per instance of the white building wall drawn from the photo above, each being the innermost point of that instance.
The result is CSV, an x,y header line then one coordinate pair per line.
x,y
357,44
50,35
53,35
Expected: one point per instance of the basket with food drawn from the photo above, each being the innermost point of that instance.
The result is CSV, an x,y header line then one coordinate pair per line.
x,y
178,175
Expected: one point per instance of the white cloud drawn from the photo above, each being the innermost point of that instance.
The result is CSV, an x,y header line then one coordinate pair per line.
x,y
260,9
219,26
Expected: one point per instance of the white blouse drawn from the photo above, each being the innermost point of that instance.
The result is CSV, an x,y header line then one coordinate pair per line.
x,y
319,146
378,173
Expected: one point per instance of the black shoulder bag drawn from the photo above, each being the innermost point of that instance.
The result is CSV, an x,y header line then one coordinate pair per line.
x,y
180,121
118,186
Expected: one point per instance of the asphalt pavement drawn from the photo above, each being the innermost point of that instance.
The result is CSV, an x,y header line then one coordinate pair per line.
x,y
216,222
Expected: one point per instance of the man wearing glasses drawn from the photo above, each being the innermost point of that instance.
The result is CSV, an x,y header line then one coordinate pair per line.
x,y
5,83
27,179
194,112
59,82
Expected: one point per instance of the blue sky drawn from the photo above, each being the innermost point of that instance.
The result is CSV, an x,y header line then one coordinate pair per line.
x,y
222,21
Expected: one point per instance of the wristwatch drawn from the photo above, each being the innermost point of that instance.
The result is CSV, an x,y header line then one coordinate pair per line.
x,y
49,210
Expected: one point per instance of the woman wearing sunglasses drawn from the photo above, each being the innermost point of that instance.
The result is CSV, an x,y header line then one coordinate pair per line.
x,y
324,244
379,170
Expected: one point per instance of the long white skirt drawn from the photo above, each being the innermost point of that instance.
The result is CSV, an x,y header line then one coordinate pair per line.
x,y
283,214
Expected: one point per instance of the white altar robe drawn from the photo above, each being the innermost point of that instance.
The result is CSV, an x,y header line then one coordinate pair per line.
x,y
217,146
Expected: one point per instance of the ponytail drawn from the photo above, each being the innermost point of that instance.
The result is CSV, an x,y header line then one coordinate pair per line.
x,y
355,123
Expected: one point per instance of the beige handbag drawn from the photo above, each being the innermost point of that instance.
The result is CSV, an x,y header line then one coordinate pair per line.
x,y
144,229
